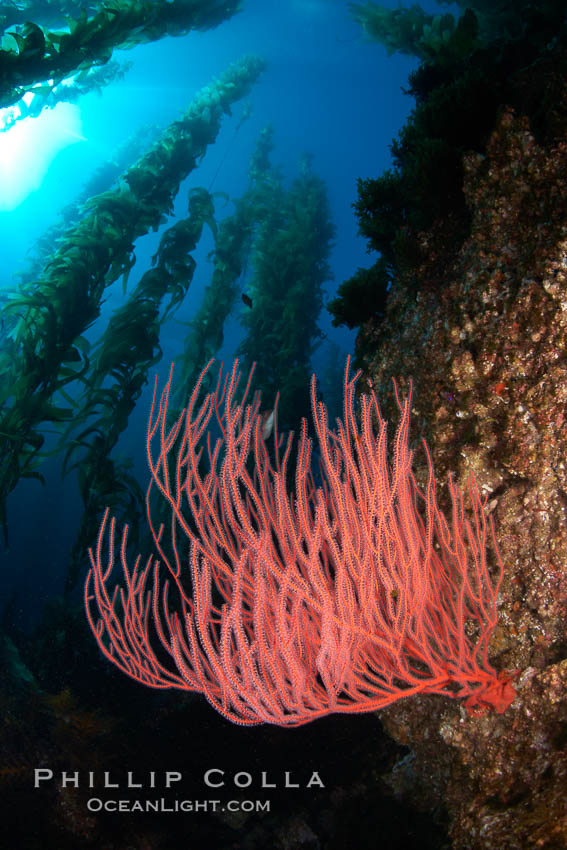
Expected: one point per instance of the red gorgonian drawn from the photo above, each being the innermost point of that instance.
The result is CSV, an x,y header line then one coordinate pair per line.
x,y
283,607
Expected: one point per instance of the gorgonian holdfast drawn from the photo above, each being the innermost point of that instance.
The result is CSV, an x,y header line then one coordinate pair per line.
x,y
283,607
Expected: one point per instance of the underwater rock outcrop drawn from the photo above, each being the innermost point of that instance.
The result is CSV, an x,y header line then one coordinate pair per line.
x,y
459,94
469,299
484,339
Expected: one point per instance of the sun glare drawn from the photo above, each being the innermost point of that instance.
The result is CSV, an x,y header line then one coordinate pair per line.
x,y
29,146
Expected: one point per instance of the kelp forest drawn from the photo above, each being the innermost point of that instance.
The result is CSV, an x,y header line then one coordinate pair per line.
x,y
69,380
53,379
200,554
72,373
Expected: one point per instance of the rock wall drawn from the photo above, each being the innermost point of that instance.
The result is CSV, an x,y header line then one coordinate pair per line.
x,y
484,338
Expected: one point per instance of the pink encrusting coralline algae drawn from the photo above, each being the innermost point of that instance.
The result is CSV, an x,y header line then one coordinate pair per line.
x,y
284,607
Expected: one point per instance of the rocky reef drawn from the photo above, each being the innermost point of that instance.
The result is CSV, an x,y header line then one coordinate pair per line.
x,y
483,335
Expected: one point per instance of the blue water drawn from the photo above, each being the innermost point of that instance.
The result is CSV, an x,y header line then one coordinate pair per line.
x,y
331,94
326,91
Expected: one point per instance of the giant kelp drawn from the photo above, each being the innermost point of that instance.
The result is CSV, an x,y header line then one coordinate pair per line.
x,y
234,238
205,333
33,54
445,37
47,351
49,95
289,266
412,31
101,180
121,359
48,13
131,343
288,231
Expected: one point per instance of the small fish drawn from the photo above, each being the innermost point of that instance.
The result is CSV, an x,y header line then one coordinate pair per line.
x,y
247,300
267,420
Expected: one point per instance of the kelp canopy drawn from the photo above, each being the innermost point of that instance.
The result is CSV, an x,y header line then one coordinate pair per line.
x,y
47,96
48,13
34,54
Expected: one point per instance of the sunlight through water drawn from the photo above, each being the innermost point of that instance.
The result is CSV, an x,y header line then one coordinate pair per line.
x,y
28,148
